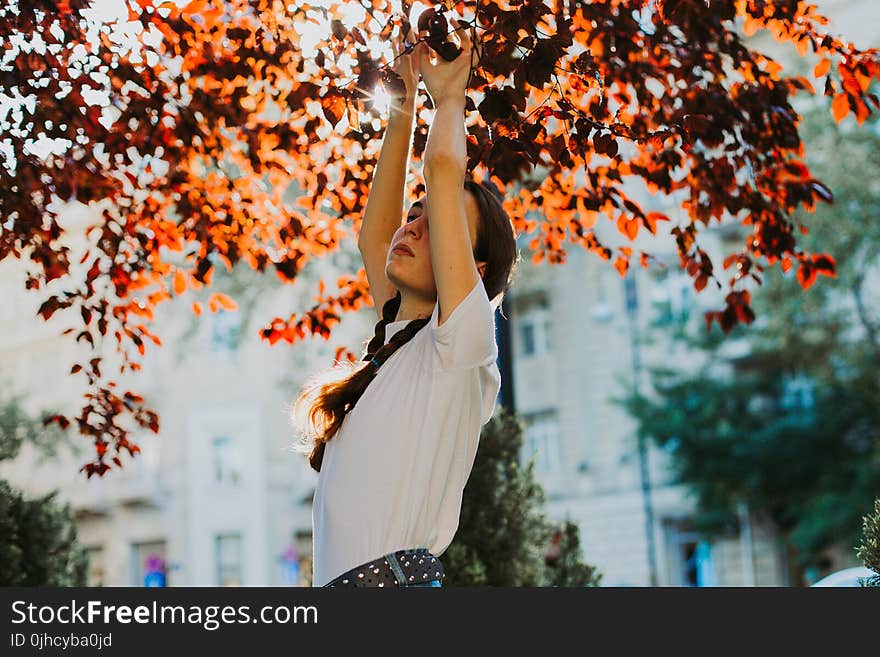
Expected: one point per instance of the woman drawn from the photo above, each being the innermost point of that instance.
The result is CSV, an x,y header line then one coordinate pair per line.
x,y
395,440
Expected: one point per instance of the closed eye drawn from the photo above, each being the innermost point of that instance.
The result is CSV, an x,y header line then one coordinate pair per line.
x,y
414,215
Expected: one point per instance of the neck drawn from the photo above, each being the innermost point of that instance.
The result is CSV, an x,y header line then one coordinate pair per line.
x,y
414,307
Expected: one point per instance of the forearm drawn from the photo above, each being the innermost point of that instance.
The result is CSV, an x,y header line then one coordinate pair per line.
x,y
384,208
447,141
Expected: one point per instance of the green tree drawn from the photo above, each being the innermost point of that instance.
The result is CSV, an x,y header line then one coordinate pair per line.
x,y
504,537
792,427
564,565
869,550
38,537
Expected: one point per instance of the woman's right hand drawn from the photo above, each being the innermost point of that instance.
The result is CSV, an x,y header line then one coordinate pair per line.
x,y
448,79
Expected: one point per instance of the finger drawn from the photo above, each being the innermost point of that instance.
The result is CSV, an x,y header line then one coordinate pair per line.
x,y
461,32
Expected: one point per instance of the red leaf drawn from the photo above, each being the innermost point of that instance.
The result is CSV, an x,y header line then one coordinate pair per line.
x,y
825,264
338,29
806,275
696,124
333,104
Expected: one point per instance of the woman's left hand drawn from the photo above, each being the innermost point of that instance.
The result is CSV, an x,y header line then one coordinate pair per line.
x,y
406,65
448,79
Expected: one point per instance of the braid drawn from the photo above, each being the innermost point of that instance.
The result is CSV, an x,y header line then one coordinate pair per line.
x,y
389,312
337,399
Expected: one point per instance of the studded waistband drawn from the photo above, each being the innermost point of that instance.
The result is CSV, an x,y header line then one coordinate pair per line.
x,y
401,568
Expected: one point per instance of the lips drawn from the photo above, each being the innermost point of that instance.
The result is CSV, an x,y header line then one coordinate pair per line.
x,y
402,248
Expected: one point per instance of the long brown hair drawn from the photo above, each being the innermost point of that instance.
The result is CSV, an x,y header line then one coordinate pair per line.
x,y
328,402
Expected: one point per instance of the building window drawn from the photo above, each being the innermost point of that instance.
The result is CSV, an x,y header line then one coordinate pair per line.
x,y
672,298
541,441
227,556
797,393
148,564
690,556
534,332
225,330
96,574
227,460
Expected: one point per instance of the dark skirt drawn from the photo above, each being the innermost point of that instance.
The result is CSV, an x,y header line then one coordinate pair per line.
x,y
409,567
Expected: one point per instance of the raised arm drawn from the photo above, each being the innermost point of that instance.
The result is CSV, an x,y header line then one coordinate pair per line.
x,y
444,169
384,209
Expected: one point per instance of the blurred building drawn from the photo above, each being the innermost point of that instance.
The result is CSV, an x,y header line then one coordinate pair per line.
x,y
580,337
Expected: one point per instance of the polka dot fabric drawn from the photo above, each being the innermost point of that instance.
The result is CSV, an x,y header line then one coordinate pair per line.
x,y
415,566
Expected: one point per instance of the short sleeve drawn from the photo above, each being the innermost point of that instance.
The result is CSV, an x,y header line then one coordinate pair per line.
x,y
467,337
490,385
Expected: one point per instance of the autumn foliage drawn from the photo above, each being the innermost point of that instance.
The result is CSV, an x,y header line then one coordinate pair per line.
x,y
214,108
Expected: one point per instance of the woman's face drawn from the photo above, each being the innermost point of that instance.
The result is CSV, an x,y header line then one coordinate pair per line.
x,y
413,271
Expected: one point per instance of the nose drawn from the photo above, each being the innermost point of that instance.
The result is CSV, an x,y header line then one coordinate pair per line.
x,y
413,228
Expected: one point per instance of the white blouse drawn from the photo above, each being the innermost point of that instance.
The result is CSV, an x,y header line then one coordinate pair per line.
x,y
393,475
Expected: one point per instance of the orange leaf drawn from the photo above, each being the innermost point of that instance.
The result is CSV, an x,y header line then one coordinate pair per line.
x,y
774,68
197,308
179,282
750,25
621,264
333,104
222,301
822,68
194,7
627,226
862,111
840,107
651,220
